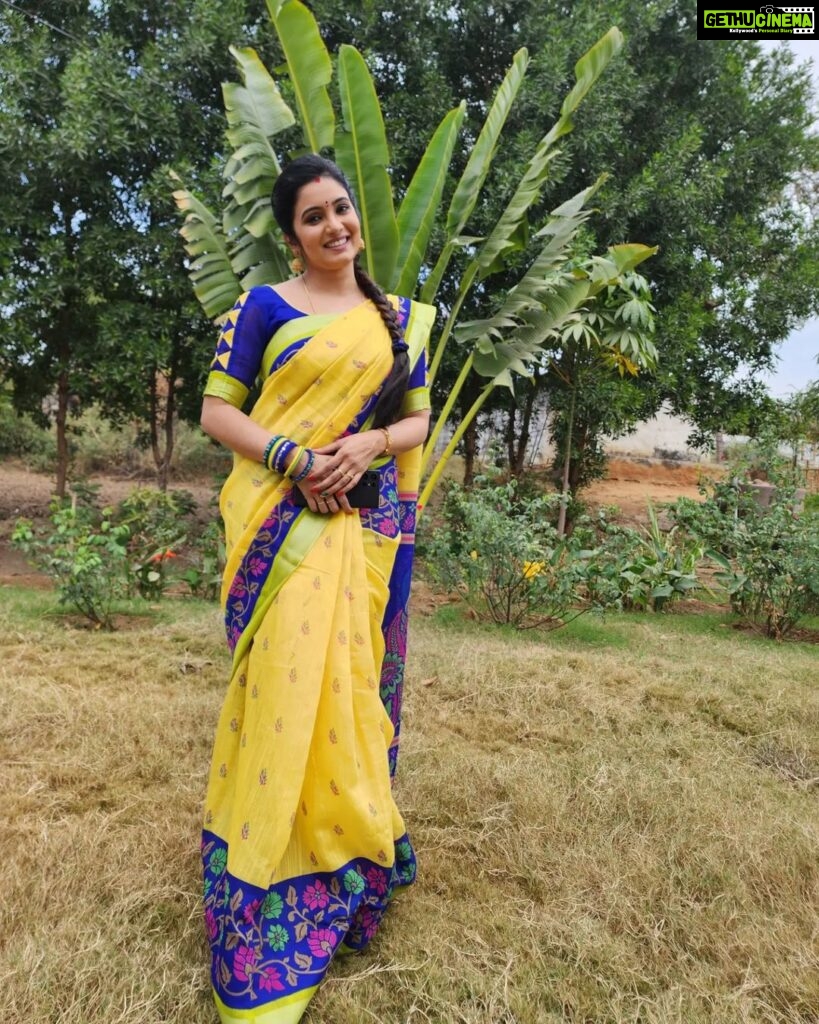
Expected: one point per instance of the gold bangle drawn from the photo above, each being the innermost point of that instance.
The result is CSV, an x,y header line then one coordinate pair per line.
x,y
387,442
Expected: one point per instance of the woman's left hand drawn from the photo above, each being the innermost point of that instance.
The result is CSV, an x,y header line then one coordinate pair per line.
x,y
350,456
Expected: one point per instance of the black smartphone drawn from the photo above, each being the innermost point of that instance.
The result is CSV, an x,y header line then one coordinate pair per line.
x,y
365,494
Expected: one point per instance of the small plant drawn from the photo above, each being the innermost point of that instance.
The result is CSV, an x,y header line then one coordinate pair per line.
x,y
500,551
767,557
158,525
206,559
644,569
85,554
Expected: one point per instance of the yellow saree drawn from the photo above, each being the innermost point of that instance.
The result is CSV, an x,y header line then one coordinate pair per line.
x,y
302,843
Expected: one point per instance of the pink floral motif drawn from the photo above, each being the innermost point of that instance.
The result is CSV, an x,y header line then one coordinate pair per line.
x,y
270,980
244,958
377,881
256,567
238,588
369,923
211,925
322,942
249,913
316,896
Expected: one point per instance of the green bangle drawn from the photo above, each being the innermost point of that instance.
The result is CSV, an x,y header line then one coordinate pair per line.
x,y
293,462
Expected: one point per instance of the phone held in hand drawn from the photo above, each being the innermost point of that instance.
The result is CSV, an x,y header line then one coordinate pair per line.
x,y
365,494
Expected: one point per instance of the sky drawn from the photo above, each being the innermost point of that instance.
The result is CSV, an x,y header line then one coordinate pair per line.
x,y
797,365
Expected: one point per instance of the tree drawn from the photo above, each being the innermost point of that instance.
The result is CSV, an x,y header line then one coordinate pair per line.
x,y
96,100
242,242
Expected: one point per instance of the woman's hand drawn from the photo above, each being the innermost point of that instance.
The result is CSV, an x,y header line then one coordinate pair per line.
x,y
340,464
319,498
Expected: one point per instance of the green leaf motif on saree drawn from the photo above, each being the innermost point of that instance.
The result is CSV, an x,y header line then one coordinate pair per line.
x,y
353,882
272,906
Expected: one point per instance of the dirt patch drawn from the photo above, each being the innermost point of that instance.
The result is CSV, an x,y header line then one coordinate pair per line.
x,y
631,484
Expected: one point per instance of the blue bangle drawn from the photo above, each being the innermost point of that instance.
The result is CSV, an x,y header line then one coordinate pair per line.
x,y
311,458
269,448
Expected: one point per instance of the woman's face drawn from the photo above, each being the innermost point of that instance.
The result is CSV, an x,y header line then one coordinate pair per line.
x,y
325,225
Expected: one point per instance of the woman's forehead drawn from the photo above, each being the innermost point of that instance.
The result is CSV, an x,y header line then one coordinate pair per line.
x,y
319,192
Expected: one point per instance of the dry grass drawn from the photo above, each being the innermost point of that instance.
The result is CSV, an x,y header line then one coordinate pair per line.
x,y
606,834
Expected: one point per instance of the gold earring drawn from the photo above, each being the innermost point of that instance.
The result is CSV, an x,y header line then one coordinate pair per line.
x,y
363,246
296,265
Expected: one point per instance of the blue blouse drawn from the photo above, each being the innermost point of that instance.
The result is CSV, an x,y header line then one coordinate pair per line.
x,y
246,334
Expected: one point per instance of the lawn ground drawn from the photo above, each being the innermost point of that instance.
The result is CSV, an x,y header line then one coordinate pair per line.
x,y
617,822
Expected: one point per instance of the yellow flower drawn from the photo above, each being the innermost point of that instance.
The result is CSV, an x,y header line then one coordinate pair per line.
x,y
473,555
532,569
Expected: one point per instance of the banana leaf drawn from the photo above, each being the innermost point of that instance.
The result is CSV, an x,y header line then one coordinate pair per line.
x,y
419,207
309,68
363,155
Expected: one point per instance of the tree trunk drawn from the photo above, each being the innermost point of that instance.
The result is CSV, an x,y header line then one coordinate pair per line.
x,y
567,459
470,453
170,412
62,433
525,429
511,451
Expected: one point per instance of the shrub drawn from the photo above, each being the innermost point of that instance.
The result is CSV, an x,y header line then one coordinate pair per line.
x,y
205,560
768,558
85,554
501,552
642,569
158,523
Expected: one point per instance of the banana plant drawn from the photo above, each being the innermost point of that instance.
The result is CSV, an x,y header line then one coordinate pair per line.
x,y
242,249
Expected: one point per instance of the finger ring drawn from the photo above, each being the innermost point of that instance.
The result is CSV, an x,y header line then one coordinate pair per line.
x,y
348,476
324,494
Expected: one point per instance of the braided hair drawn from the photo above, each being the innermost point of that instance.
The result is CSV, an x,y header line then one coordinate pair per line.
x,y
292,179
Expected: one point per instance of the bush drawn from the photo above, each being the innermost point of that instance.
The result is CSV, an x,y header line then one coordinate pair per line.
x,y
158,523
639,570
85,554
501,552
205,560
767,558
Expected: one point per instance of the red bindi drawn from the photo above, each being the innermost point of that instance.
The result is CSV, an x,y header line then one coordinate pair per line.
x,y
316,179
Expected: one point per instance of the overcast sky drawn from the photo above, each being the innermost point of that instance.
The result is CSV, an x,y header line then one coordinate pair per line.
x,y
797,363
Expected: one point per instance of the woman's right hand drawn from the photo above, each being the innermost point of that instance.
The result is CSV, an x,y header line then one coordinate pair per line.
x,y
328,503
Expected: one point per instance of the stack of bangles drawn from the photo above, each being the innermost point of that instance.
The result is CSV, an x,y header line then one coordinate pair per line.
x,y
276,458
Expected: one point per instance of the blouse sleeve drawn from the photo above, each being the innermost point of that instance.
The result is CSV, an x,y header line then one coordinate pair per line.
x,y
417,396
239,350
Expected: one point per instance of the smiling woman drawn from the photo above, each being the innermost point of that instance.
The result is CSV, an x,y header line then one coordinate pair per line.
x,y
303,844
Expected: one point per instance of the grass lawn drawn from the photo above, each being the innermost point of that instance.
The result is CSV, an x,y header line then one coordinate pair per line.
x,y
617,822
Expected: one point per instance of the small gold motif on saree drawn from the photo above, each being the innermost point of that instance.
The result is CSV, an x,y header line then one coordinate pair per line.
x,y
336,685
333,737
305,628
334,788
303,808
317,583
313,859
342,638
293,675
372,810
382,856
245,830
281,399
339,831
359,639
223,770
263,777
234,725
279,725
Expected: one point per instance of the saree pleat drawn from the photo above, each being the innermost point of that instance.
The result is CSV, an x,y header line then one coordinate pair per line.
x,y
303,844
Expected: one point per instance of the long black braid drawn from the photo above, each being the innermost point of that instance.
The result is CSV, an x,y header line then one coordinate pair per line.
x,y
292,179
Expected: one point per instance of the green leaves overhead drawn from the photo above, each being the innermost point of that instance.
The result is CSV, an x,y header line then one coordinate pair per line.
x,y
420,205
363,155
215,284
309,68
478,166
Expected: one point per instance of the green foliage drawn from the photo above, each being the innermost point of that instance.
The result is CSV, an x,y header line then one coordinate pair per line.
x,y
85,554
158,523
204,561
500,551
767,556
639,570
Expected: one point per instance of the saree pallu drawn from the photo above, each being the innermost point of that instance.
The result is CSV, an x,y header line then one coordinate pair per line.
x,y
303,844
